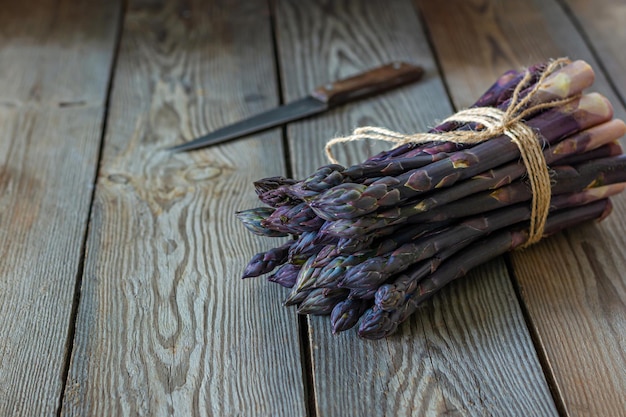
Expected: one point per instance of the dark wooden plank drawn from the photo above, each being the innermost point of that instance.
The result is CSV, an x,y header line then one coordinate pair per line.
x,y
573,285
480,39
55,63
468,352
165,325
602,22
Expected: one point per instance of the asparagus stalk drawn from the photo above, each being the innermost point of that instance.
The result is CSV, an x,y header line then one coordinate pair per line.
x,y
307,277
578,144
273,191
292,219
378,323
320,301
285,275
349,200
253,219
604,151
594,173
324,178
389,296
359,242
567,179
392,219
332,261
305,247
347,313
334,270
498,95
382,238
374,271
392,166
296,297
272,183
265,262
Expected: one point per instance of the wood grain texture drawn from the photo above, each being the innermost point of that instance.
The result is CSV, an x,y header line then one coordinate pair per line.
x,y
573,285
165,324
55,63
480,39
602,21
466,353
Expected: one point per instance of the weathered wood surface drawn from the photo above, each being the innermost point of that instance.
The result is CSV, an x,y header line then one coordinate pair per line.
x,y
165,325
469,351
602,24
55,60
573,285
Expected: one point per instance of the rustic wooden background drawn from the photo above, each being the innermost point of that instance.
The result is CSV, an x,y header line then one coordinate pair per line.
x,y
120,263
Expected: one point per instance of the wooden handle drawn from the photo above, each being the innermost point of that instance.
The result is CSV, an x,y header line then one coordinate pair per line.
x,y
371,82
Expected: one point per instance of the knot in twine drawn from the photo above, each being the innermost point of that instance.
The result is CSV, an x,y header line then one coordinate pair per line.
x,y
492,122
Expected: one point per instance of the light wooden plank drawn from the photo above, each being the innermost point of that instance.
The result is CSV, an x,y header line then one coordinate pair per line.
x,y
165,325
573,285
54,72
468,352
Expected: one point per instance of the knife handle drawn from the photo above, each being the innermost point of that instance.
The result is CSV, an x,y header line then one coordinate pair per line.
x,y
371,82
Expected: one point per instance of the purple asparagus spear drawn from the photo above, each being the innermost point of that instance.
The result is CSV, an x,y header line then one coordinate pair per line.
x,y
378,323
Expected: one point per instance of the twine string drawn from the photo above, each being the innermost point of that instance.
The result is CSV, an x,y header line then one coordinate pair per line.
x,y
491,122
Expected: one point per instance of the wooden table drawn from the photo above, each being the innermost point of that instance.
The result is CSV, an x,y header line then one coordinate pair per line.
x,y
120,263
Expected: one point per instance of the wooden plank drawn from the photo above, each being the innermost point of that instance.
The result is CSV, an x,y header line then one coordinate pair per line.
x,y
602,21
498,35
165,325
468,352
573,285
55,63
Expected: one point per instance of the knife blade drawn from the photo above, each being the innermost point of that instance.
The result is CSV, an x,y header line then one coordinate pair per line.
x,y
320,100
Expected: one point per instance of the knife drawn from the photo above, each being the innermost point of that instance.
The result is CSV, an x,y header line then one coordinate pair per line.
x,y
321,99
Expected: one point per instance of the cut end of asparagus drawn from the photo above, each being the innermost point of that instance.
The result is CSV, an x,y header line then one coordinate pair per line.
x,y
597,104
607,211
569,80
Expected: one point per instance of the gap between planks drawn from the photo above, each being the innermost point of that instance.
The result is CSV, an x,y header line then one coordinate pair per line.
x,y
557,396
303,325
534,336
80,272
592,49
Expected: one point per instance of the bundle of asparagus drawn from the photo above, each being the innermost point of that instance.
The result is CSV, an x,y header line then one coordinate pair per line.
x,y
373,241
